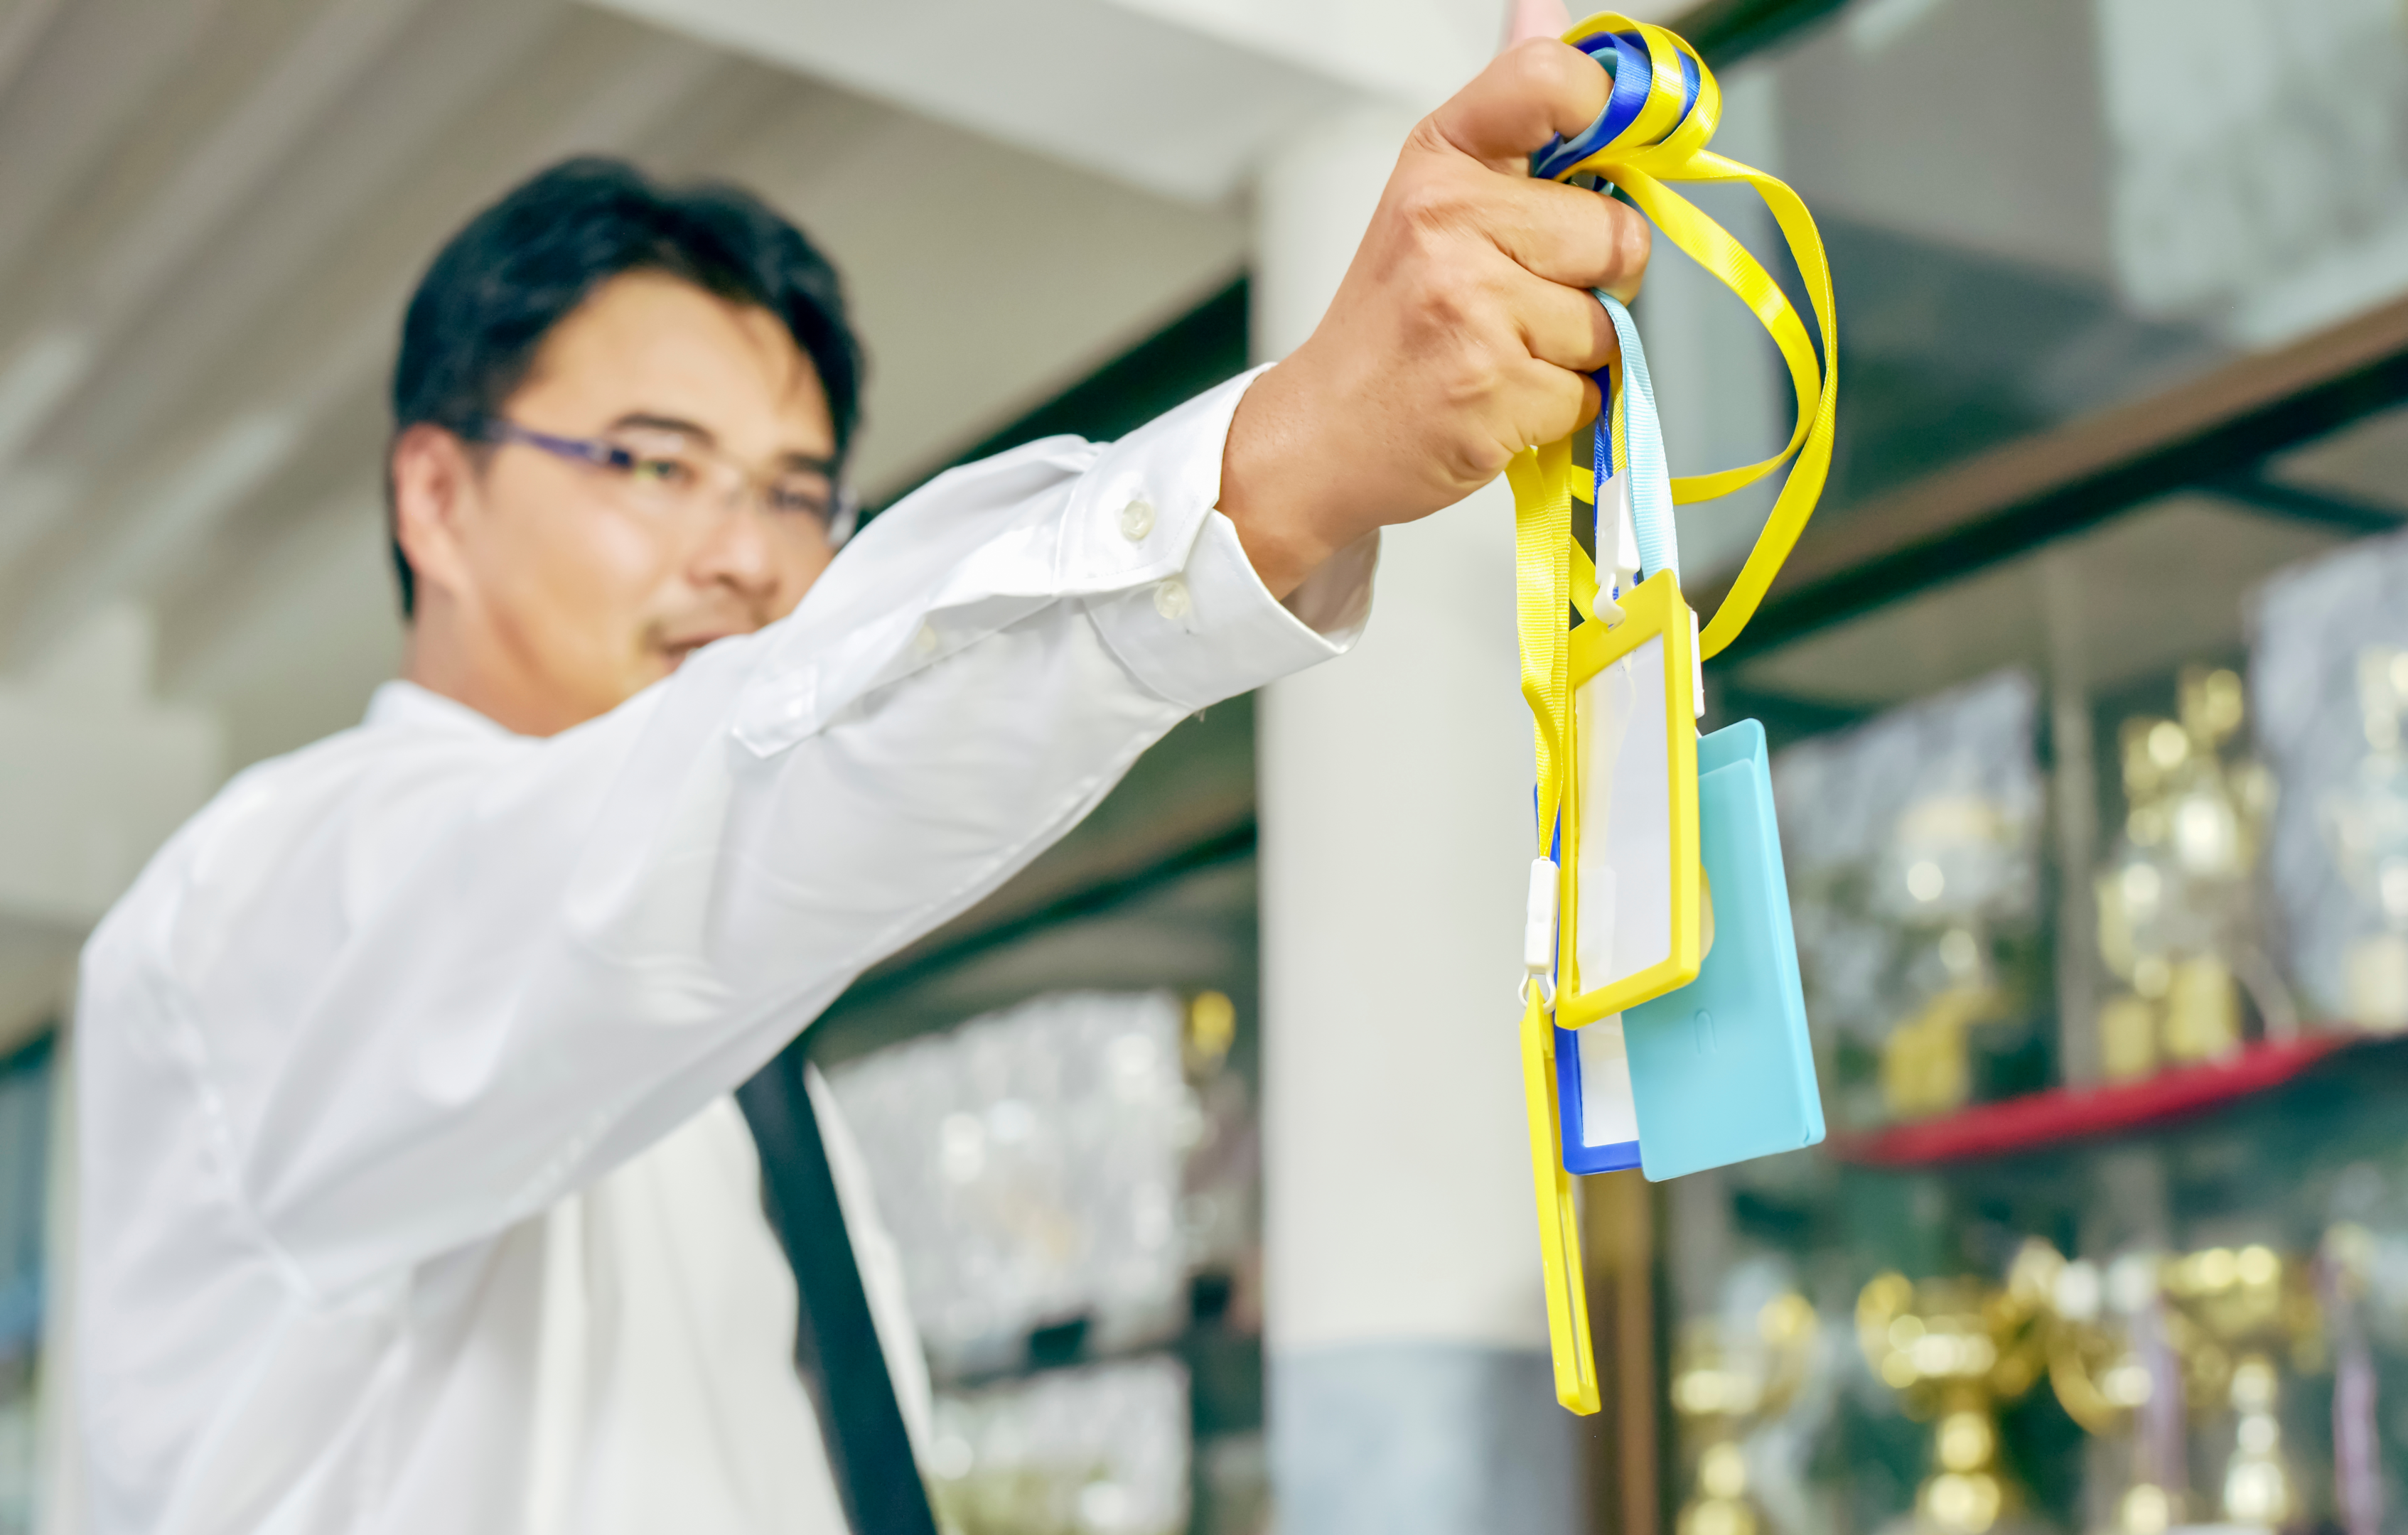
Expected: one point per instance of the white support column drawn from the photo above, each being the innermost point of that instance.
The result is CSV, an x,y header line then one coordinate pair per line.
x,y
1410,1391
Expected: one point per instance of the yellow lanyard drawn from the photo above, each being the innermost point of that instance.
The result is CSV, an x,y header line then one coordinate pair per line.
x,y
1663,110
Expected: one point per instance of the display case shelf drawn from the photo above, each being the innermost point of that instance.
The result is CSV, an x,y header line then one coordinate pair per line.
x,y
2041,1122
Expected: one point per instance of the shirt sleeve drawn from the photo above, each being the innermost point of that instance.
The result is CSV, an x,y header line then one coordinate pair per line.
x,y
424,986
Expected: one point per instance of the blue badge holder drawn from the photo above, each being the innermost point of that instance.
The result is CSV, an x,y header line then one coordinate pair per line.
x,y
1592,1084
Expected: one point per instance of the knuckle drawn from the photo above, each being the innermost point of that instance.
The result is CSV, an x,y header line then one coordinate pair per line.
x,y
1474,380
1429,203
1482,459
1525,64
1548,70
1427,138
1437,312
1633,240
1545,65
1467,459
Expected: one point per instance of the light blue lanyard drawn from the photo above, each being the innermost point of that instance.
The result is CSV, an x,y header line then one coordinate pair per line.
x,y
1642,437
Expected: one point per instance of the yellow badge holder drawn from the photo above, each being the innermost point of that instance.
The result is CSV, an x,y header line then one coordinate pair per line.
x,y
1609,671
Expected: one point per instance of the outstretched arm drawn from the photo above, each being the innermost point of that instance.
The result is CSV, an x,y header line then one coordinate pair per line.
x,y
415,986
1463,332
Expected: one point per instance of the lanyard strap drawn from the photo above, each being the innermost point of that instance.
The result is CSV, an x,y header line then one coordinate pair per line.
x,y
1558,584
835,1338
1664,108
1637,443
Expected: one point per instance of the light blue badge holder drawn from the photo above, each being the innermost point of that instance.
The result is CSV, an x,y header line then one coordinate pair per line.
x,y
1722,1069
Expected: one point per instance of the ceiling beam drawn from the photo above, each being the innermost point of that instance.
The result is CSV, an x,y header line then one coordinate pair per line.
x,y
2017,496
320,348
2339,510
1140,92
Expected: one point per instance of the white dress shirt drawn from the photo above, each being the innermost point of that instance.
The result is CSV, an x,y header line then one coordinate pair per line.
x,y
412,1196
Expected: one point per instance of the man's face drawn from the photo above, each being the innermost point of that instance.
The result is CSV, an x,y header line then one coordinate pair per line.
x,y
551,589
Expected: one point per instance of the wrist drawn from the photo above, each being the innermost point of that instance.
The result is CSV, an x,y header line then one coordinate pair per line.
x,y
1281,483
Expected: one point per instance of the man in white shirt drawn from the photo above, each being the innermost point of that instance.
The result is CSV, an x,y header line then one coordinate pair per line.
x,y
413,1196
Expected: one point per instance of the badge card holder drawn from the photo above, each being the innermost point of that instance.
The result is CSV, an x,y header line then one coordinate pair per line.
x,y
1716,1067
1723,1069
1662,1018
1630,808
1600,1117
1630,896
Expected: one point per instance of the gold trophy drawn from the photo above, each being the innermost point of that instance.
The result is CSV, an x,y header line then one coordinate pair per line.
x,y
2116,1358
1956,1351
1723,1387
1942,876
2156,1341
1927,1065
2175,902
2250,1304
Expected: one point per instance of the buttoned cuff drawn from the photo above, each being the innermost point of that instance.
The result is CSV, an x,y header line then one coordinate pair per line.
x,y
1205,628
1212,630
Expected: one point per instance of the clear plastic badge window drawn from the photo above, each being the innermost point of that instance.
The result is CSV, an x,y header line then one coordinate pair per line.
x,y
1624,876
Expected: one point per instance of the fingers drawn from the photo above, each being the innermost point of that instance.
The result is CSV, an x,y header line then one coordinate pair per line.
x,y
1537,19
1551,404
1567,234
1528,92
1564,327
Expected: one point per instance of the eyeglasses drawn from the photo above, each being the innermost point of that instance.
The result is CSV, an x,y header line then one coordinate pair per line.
x,y
675,475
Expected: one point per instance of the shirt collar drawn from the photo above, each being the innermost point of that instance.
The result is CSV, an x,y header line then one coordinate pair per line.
x,y
405,705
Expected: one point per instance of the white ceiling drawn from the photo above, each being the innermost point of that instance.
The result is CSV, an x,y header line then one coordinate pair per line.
x,y
1185,97
211,213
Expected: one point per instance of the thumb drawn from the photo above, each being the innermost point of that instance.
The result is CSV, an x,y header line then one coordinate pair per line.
x,y
1529,90
1529,18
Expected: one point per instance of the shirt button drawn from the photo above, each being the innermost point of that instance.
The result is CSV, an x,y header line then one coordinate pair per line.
x,y
1137,520
1171,598
925,640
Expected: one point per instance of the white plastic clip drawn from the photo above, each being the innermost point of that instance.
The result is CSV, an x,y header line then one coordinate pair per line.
x,y
1539,933
1625,551
1697,672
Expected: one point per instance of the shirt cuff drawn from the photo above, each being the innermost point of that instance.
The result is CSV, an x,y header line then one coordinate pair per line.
x,y
1208,629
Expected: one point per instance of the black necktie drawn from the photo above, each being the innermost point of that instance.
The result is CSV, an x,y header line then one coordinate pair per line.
x,y
835,1342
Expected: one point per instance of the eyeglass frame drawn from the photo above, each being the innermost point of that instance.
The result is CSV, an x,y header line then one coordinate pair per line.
x,y
844,507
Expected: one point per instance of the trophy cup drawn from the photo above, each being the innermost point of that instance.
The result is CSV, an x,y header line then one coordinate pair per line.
x,y
1956,1351
2117,1357
2175,899
2249,1305
2366,823
2156,1341
1723,1387
1948,864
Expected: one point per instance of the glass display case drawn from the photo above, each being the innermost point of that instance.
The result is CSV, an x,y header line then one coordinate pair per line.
x,y
1070,1183
2086,689
2106,973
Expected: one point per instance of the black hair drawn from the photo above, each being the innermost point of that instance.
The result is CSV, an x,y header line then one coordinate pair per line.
x,y
521,267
